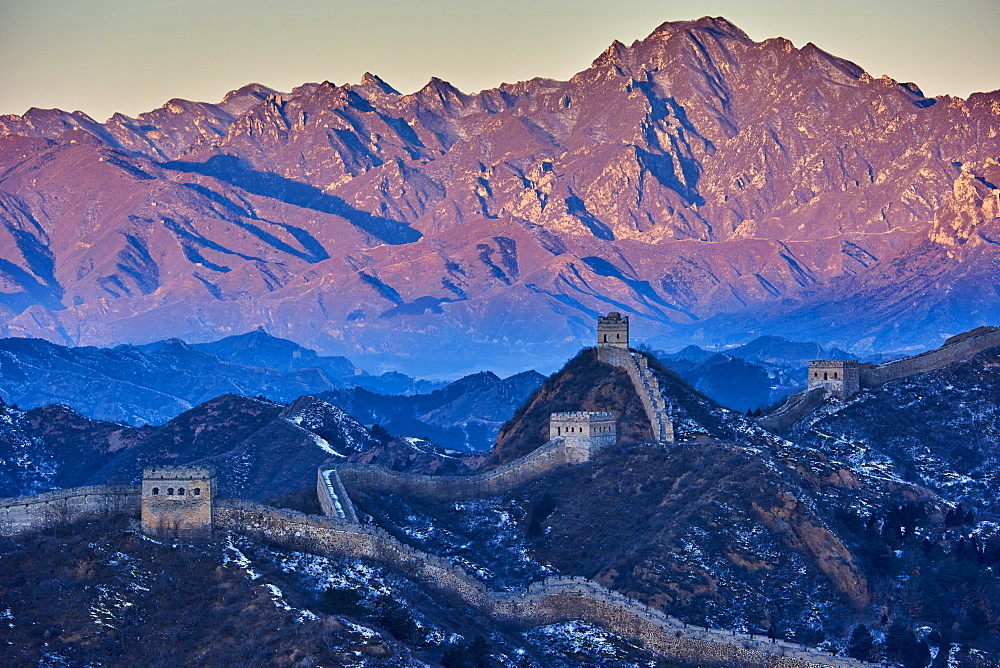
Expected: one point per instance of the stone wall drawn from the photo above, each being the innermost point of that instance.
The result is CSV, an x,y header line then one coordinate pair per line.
x,y
646,386
177,501
796,407
333,497
553,454
25,514
957,351
550,601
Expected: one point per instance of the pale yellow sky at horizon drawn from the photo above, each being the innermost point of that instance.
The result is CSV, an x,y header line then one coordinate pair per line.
x,y
104,56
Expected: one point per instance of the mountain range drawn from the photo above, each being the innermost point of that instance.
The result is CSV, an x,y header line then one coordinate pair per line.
x,y
710,186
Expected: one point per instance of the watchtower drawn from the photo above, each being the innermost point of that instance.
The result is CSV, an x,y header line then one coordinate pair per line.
x,y
583,433
177,501
612,330
841,378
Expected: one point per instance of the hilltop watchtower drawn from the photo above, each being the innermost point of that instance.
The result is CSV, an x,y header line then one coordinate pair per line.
x,y
177,501
583,433
612,330
841,378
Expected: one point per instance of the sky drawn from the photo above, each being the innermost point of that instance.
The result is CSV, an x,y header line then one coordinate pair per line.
x,y
103,56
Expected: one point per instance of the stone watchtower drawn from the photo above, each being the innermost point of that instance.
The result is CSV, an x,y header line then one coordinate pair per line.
x,y
841,378
612,330
583,433
177,501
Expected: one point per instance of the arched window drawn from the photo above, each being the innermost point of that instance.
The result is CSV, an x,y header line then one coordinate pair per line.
x,y
605,338
825,376
197,491
170,491
834,375
156,490
180,492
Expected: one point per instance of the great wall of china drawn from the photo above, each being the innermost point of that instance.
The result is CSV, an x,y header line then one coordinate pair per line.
x,y
955,349
646,386
552,600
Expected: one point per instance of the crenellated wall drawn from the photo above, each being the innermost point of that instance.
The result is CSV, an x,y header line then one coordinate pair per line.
x,y
796,407
552,600
961,348
25,514
646,386
553,454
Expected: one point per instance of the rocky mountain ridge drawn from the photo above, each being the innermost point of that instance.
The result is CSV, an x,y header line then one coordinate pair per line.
x,y
706,184
264,450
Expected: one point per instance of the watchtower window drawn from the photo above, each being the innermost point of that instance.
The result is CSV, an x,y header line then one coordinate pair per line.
x,y
170,491
825,376
835,375
180,492
156,490
605,338
197,491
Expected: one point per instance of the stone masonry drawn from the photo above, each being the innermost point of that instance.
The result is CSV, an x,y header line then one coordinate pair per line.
x,y
646,386
612,330
841,378
26,514
177,501
599,429
553,600
845,378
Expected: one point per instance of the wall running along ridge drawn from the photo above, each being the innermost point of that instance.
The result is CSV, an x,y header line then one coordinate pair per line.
x,y
553,600
949,353
961,348
646,386
555,453
796,407
25,514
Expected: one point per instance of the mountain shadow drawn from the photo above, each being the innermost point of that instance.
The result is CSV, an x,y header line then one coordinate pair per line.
x,y
238,172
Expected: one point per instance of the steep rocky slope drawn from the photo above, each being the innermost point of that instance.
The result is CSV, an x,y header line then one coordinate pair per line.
x,y
704,183
730,526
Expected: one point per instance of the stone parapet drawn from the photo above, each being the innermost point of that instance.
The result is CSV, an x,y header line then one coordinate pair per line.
x,y
553,600
555,453
646,386
796,407
961,348
25,514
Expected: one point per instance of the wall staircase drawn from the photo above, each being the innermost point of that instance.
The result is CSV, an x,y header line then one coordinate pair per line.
x,y
646,385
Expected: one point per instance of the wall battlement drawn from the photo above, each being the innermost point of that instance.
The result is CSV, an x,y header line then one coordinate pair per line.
x,y
956,349
646,386
552,600
846,378
612,330
164,471
583,429
26,514
557,452
177,501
